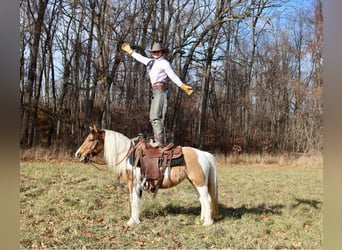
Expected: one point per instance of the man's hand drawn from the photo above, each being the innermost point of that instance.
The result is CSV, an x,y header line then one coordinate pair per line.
x,y
127,48
186,88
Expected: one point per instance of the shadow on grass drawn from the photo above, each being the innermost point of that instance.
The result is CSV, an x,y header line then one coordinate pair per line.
x,y
224,212
238,212
171,209
312,203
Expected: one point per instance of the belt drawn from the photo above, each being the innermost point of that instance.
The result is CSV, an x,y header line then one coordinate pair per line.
x,y
159,85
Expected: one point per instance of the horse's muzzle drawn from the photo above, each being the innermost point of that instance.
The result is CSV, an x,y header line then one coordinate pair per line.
x,y
85,158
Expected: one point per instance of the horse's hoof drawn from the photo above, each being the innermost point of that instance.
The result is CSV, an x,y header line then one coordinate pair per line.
x,y
132,222
208,222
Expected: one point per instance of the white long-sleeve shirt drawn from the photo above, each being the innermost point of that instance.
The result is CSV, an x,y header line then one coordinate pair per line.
x,y
160,70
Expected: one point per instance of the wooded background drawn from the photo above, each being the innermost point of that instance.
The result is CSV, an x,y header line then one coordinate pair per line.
x,y
255,66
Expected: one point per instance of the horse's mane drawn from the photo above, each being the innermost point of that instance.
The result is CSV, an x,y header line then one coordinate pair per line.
x,y
116,146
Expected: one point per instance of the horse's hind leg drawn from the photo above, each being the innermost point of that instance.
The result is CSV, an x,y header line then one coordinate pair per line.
x,y
205,201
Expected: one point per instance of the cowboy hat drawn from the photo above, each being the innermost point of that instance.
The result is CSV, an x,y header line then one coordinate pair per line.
x,y
158,47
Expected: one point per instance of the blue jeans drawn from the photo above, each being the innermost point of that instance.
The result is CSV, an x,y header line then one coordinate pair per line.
x,y
157,114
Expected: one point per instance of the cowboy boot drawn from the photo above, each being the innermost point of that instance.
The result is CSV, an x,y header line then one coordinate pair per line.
x,y
158,142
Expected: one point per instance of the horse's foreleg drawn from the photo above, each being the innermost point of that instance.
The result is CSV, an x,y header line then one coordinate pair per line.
x,y
135,199
135,196
205,201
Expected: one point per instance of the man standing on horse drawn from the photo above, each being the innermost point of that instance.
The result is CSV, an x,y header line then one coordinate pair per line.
x,y
158,69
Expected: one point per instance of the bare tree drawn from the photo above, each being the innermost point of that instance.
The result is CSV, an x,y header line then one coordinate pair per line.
x,y
27,131
257,78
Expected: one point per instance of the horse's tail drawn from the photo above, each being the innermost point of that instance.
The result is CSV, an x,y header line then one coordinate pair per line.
x,y
213,185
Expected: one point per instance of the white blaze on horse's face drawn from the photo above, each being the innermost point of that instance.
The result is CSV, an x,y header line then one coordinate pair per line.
x,y
91,146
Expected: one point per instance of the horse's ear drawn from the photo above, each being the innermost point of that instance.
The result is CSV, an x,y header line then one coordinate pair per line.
x,y
93,128
103,134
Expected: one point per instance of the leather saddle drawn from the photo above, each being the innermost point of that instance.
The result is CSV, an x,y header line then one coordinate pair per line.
x,y
154,161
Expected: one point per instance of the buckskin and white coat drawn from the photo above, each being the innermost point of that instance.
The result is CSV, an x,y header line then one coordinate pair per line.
x,y
199,169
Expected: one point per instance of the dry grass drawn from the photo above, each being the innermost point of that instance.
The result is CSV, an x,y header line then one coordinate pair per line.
x,y
231,160
46,154
66,205
263,160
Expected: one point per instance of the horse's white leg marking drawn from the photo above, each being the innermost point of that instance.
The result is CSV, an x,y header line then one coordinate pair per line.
x,y
135,207
135,198
205,205
212,185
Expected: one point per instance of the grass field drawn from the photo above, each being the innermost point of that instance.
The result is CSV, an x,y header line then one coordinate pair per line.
x,y
71,205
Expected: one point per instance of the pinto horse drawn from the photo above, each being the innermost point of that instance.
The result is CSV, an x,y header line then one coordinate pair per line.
x,y
198,167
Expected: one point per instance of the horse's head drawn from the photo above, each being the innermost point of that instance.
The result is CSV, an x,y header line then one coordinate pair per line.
x,y
92,145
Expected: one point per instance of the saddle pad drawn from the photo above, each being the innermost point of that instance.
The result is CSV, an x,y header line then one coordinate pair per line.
x,y
177,161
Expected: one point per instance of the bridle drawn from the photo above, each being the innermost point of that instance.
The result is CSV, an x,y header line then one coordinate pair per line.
x,y
93,162
89,156
90,160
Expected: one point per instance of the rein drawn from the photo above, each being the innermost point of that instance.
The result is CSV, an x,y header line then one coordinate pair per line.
x,y
133,146
92,162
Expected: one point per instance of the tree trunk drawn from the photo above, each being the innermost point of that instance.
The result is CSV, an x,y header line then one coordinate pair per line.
x,y
31,79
